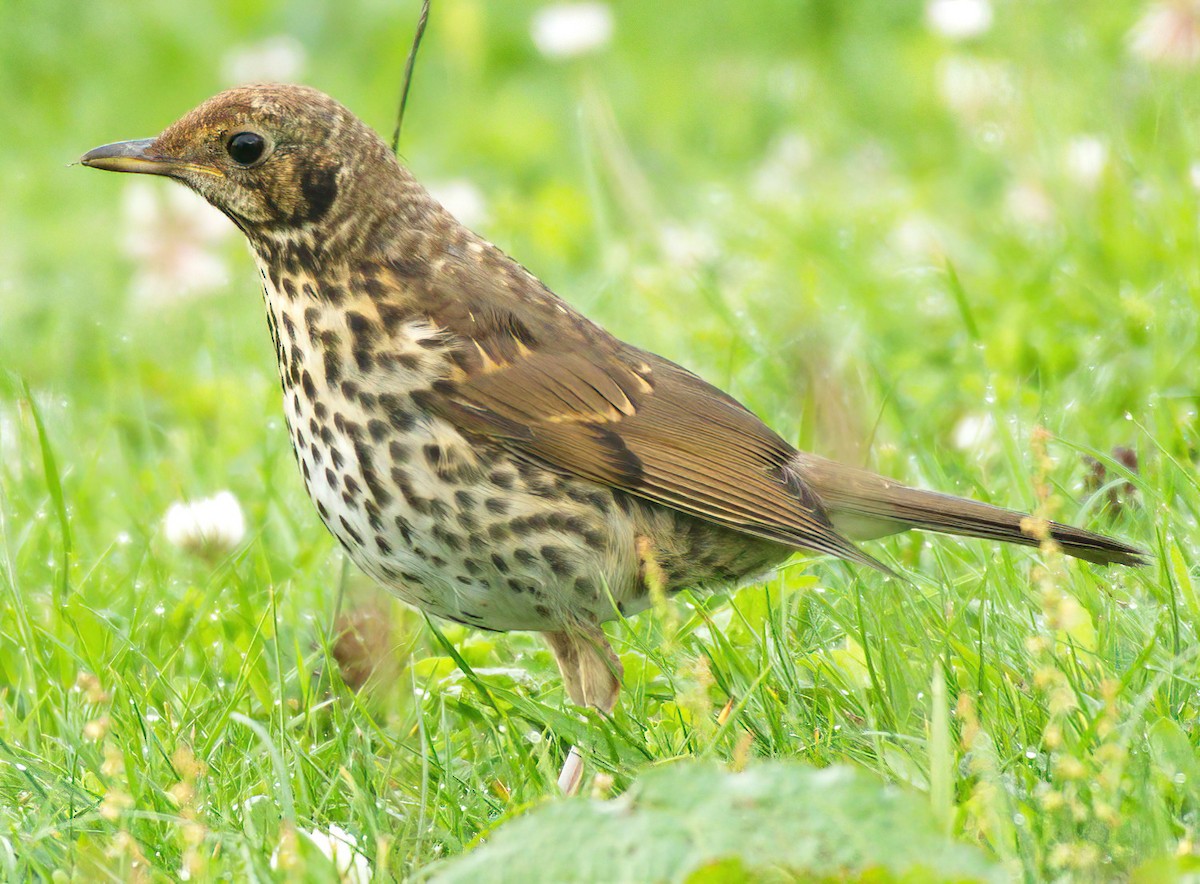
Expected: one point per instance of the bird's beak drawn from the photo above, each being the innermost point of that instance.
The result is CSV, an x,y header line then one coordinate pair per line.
x,y
137,156
128,156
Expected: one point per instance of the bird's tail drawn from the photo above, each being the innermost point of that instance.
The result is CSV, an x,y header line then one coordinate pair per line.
x,y
863,505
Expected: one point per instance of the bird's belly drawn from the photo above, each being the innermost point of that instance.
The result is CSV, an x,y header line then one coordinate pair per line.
x,y
461,531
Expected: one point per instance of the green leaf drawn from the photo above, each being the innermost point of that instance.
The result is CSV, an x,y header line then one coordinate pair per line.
x,y
693,821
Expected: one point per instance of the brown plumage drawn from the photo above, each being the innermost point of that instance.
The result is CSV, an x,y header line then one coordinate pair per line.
x,y
477,445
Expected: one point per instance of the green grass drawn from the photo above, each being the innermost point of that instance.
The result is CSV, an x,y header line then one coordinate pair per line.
x,y
1047,709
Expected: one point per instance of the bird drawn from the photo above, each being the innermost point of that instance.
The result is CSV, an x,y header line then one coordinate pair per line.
x,y
478,446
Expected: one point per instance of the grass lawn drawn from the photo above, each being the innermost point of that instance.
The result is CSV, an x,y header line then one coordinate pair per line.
x,y
967,260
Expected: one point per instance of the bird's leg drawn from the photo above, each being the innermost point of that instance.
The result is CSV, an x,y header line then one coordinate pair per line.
x,y
591,673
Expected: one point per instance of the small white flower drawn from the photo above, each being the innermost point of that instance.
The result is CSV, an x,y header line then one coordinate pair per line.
x,y
278,59
959,19
1028,205
687,247
1086,159
169,232
567,30
462,199
1169,32
1194,174
917,238
972,88
341,848
780,175
211,525
974,432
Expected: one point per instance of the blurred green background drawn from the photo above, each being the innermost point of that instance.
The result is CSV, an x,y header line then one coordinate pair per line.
x,y
904,233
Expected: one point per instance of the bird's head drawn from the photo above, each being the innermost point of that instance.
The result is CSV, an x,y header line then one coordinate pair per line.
x,y
281,161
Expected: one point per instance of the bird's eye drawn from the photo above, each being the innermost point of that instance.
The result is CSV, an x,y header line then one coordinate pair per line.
x,y
246,148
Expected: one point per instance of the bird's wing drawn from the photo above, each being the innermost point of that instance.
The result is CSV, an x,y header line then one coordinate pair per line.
x,y
612,414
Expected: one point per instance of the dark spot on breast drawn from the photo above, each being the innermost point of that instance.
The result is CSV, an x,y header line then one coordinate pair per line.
x,y
373,515
556,558
354,535
382,544
378,429
501,478
350,389
407,361
497,505
352,487
399,452
524,556
310,389
337,457
399,417
497,531
362,452
392,316
402,527
499,563
371,285
473,567
331,477
311,317
333,366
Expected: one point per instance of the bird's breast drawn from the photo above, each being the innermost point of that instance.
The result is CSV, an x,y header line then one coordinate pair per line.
x,y
457,528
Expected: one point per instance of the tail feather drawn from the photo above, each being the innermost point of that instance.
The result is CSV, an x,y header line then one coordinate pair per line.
x,y
863,505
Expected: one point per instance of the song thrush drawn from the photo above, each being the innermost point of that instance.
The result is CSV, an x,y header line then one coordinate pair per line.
x,y
479,447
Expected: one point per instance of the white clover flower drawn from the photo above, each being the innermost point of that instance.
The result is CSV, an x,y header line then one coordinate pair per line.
x,y
959,19
1028,205
917,238
169,232
971,88
567,30
1086,159
279,59
974,432
211,525
462,199
781,173
341,848
1169,33
687,247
